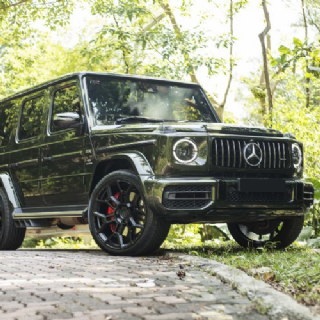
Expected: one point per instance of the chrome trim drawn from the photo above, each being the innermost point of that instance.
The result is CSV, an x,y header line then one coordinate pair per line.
x,y
41,215
264,155
240,154
234,153
228,147
269,154
222,149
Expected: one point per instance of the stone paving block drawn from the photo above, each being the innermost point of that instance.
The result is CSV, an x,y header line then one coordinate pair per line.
x,y
47,287
171,316
170,299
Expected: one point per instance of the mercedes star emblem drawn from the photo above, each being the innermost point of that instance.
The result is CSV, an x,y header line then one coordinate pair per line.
x,y
252,154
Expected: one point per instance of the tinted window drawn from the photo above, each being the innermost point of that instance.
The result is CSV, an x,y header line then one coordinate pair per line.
x,y
31,119
65,100
5,127
111,99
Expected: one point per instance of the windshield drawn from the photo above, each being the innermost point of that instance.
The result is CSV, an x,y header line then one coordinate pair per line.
x,y
113,99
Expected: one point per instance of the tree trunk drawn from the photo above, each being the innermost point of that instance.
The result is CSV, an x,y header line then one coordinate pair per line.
x,y
225,96
262,37
306,40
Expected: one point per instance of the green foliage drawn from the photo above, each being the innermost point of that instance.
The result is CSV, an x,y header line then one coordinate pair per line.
x,y
186,234
58,243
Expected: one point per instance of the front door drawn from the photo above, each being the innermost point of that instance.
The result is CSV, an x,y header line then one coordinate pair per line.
x,y
62,156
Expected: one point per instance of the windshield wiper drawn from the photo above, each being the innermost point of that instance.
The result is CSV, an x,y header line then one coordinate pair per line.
x,y
137,119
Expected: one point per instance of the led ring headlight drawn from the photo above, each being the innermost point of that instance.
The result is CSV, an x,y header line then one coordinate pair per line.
x,y
296,155
185,151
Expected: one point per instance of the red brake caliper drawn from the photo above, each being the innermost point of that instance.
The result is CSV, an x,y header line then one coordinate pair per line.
x,y
111,211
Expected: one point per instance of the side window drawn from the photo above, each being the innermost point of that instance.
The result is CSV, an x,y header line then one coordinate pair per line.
x,y
31,118
65,100
5,129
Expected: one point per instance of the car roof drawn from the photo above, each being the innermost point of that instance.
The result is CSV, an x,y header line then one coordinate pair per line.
x,y
81,74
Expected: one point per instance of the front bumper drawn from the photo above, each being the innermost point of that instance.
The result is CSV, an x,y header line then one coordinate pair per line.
x,y
199,199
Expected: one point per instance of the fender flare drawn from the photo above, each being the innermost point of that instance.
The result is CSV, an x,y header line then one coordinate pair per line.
x,y
137,160
7,184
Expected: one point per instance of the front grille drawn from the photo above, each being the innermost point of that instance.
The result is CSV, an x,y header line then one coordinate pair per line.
x,y
233,195
230,153
187,197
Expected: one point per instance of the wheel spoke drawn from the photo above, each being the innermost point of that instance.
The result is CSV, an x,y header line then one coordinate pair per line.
x,y
100,215
121,228
115,200
136,225
107,202
127,194
119,187
120,239
109,238
140,212
104,225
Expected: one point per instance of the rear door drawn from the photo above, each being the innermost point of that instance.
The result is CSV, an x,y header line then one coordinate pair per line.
x,y
62,156
25,156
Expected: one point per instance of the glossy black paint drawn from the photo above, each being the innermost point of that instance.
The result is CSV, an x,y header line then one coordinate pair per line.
x,y
61,169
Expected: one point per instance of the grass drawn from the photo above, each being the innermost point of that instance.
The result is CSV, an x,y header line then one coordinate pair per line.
x,y
295,271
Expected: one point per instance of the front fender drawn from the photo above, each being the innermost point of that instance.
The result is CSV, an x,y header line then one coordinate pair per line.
x,y
7,184
137,160
111,162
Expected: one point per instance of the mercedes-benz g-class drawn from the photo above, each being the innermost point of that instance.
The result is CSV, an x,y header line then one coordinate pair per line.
x,y
132,155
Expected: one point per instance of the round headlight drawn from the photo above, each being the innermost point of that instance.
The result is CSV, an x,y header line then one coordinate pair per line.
x,y
185,151
296,155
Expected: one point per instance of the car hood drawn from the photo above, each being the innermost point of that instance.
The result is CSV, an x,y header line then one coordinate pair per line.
x,y
171,127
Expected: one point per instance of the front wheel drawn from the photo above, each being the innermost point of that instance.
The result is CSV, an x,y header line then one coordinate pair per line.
x,y
119,218
280,232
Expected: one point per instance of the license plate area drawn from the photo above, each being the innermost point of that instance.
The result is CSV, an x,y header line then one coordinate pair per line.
x,y
261,185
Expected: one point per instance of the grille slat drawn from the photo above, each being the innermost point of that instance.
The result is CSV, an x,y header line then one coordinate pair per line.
x,y
233,195
187,196
229,153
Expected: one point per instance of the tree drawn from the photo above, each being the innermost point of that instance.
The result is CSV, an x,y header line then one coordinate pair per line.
x,y
153,37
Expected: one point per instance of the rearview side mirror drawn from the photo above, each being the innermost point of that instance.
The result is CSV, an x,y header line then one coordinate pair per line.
x,y
65,120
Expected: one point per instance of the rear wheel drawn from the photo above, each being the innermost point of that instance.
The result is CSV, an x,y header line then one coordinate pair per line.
x,y
280,232
11,237
119,218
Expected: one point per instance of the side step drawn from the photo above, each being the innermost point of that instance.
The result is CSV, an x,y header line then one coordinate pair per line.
x,y
52,212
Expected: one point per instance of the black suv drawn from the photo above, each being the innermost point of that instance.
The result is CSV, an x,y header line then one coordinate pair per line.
x,y
131,155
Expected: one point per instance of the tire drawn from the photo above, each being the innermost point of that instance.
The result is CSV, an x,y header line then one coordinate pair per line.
x,y
119,218
11,237
279,233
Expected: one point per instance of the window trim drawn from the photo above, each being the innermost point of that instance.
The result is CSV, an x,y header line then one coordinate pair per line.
x,y
50,114
24,101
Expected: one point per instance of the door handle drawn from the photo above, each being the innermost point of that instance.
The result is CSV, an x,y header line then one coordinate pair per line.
x,y
47,159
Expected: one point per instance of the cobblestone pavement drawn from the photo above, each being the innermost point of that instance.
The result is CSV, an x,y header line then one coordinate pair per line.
x,y
83,285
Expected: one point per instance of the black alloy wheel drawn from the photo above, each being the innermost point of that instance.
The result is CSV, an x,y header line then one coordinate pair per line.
x,y
278,233
120,221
